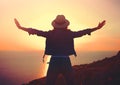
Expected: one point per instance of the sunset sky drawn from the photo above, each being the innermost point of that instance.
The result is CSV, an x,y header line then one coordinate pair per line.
x,y
39,14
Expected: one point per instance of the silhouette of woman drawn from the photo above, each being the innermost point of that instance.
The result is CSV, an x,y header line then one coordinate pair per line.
x,y
60,45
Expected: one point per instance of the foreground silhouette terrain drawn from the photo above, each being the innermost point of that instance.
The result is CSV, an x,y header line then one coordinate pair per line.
x,y
102,72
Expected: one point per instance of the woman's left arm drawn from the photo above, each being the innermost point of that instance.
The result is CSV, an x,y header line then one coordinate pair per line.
x,y
100,25
88,31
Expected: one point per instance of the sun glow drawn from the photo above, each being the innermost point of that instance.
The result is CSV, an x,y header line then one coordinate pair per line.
x,y
39,14
46,65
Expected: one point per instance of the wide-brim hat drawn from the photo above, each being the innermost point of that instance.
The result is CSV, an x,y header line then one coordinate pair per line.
x,y
60,22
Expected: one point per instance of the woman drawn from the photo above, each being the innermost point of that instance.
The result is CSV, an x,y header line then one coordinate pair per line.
x,y
60,45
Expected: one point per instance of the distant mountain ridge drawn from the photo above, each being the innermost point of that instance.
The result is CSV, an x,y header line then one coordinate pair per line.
x,y
102,72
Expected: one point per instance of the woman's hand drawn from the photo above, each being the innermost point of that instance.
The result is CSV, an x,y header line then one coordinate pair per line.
x,y
101,24
17,23
19,26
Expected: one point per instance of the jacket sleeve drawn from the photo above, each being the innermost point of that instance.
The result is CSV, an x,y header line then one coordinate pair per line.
x,y
37,32
81,33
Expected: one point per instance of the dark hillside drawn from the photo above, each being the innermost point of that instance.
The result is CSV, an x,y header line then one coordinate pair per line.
x,y
102,72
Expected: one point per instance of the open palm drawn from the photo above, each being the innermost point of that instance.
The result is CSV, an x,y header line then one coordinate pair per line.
x,y
17,23
101,24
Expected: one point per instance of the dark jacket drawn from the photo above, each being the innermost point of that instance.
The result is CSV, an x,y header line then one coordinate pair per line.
x,y
60,41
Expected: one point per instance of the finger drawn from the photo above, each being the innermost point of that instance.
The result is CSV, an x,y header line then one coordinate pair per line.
x,y
103,22
15,19
16,22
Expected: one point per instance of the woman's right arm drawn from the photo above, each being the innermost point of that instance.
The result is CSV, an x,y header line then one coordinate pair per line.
x,y
31,30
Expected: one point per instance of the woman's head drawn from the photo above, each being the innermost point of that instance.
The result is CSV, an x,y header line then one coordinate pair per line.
x,y
60,22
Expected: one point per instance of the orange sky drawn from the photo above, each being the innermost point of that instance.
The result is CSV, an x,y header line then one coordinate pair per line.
x,y
40,13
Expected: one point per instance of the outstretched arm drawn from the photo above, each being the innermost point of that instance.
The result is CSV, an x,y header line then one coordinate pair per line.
x,y
19,26
89,30
100,25
30,30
